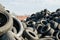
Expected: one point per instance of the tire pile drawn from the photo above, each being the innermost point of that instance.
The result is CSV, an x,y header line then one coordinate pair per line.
x,y
10,27
43,25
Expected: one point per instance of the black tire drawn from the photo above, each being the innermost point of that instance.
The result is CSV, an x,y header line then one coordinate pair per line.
x,y
18,25
7,19
46,39
30,35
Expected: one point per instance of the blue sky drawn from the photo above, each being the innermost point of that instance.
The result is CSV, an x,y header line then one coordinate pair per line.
x,y
27,7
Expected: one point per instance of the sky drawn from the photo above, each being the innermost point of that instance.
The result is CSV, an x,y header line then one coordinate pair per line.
x,y
28,7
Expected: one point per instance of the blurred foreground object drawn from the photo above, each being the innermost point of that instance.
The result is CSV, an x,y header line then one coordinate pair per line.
x,y
10,27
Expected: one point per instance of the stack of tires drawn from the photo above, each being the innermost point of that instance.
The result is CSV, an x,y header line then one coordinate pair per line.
x,y
43,25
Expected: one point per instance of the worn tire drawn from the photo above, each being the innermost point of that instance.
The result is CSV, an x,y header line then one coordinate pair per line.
x,y
30,35
46,39
8,23
18,25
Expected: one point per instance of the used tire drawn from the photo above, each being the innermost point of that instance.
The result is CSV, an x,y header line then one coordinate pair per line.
x,y
6,22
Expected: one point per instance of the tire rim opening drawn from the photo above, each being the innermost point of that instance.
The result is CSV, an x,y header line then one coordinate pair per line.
x,y
3,19
32,34
16,24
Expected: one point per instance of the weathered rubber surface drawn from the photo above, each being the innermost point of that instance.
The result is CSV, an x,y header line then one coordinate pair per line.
x,y
30,35
58,35
46,39
31,29
24,25
20,26
8,24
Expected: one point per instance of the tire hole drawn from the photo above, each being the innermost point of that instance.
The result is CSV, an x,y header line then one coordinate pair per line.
x,y
32,34
3,19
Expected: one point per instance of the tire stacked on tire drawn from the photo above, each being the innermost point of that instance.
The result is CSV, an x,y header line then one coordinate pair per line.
x,y
46,23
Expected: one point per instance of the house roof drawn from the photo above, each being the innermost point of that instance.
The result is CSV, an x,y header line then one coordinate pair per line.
x,y
22,17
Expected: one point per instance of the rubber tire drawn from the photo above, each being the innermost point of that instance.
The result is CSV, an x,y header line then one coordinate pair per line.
x,y
46,39
29,36
21,26
8,24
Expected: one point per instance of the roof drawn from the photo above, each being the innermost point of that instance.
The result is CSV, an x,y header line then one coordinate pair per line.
x,y
22,17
